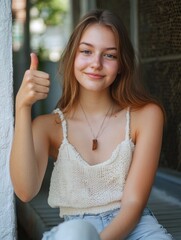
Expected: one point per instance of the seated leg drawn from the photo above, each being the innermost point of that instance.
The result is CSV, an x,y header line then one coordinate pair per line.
x,y
73,230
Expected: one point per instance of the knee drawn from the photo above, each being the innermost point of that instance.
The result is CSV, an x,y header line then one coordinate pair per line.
x,y
76,230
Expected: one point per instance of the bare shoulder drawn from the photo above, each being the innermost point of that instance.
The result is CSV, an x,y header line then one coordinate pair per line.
x,y
49,127
43,121
150,116
151,110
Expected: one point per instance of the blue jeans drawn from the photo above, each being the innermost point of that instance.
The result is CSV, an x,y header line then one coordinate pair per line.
x,y
88,227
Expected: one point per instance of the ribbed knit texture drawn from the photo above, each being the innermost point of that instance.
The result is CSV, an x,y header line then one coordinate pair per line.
x,y
77,187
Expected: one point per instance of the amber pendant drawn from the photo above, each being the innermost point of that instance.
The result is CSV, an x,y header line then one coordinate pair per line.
x,y
94,144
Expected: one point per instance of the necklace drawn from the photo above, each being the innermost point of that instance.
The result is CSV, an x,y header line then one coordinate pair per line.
x,y
95,137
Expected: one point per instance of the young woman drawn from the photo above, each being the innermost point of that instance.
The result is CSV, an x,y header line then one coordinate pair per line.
x,y
105,137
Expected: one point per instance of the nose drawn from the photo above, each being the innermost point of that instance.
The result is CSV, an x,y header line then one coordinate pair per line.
x,y
96,61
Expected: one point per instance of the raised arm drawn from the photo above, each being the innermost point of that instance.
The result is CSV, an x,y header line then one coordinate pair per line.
x,y
29,152
147,125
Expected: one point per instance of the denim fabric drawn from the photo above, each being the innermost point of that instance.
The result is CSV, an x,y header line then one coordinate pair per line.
x,y
73,230
148,227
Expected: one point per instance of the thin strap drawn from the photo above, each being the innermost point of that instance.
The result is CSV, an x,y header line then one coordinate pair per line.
x,y
63,121
128,131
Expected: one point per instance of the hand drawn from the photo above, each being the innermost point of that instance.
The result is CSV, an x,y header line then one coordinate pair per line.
x,y
35,85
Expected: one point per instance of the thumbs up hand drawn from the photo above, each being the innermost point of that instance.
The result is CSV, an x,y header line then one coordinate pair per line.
x,y
35,85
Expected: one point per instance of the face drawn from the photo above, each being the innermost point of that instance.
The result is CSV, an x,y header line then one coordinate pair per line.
x,y
96,62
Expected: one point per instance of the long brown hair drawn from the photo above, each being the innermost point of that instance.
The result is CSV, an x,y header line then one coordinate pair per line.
x,y
127,89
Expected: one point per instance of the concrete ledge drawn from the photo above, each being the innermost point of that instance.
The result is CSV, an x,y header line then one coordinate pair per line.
x,y
169,175
169,181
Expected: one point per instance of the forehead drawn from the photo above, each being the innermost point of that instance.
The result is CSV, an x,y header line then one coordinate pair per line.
x,y
99,34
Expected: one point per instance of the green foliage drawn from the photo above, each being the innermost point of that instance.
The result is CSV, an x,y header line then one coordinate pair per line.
x,y
51,11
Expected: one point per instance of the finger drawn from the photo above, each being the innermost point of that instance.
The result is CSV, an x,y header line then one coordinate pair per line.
x,y
36,93
40,87
30,74
34,61
42,81
36,96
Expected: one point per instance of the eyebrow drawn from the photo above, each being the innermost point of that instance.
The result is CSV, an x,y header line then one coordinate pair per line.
x,y
90,45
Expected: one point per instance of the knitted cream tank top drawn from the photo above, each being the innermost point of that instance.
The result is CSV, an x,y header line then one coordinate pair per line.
x,y
77,187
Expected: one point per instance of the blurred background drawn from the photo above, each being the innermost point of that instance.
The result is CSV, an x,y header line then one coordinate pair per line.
x,y
40,26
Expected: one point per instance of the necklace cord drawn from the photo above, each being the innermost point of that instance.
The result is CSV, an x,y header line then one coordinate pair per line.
x,y
95,137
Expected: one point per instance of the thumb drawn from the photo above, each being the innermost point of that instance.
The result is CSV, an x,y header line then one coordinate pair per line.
x,y
34,61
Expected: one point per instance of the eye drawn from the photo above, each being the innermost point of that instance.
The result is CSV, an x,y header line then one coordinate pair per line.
x,y
86,52
110,56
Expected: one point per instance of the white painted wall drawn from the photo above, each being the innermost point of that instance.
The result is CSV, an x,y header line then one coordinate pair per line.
x,y
7,210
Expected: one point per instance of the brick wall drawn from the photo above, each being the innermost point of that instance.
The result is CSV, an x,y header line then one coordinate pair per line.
x,y
160,50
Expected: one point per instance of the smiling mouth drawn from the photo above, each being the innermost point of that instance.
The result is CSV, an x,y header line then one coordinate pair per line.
x,y
94,76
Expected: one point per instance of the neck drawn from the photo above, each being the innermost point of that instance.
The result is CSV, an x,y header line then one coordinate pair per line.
x,y
95,135
95,102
